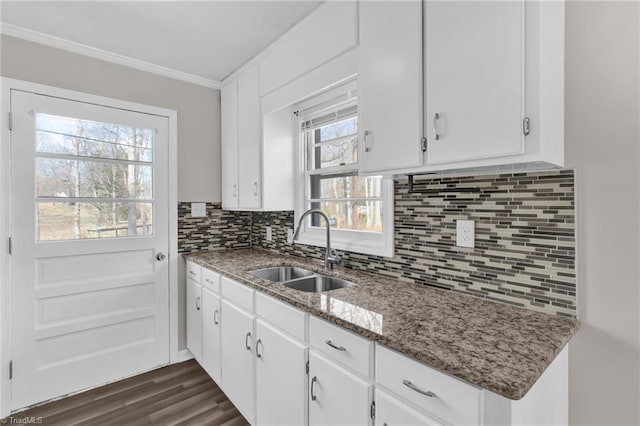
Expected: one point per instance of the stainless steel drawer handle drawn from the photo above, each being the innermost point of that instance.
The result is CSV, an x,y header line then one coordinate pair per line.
x,y
215,317
192,273
313,382
246,341
367,146
235,190
198,303
336,347
208,280
255,188
258,344
413,387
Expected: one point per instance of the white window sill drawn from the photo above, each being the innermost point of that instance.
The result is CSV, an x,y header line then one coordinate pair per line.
x,y
373,245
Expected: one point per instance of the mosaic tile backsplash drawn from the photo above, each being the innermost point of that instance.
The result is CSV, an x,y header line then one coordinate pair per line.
x,y
219,229
525,238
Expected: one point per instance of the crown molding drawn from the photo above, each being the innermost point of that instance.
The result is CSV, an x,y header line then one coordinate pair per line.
x,y
83,49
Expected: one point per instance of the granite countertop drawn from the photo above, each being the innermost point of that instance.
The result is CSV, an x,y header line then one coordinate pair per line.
x,y
495,346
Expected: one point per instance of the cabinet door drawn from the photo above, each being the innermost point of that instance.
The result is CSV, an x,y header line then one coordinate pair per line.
x,y
211,334
474,69
238,380
390,85
392,412
249,139
229,134
281,380
194,318
337,397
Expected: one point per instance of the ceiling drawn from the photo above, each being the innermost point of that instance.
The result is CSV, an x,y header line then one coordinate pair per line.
x,y
207,39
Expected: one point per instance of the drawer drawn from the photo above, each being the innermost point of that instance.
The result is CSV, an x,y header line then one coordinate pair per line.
x,y
281,315
194,271
211,280
237,293
341,345
451,400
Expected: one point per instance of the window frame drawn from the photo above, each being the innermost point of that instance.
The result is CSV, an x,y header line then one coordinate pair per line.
x,y
363,242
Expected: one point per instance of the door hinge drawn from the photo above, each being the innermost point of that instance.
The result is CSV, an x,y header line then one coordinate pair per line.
x,y
423,144
10,370
10,121
10,248
372,410
307,368
526,126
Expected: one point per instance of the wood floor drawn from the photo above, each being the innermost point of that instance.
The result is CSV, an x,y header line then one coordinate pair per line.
x,y
180,394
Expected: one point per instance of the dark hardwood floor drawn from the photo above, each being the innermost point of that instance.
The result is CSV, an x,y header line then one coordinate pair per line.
x,y
180,394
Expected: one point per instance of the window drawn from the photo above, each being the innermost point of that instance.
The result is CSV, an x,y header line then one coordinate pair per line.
x,y
93,180
356,205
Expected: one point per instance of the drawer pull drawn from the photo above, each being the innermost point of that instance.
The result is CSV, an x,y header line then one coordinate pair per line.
x,y
198,303
215,317
192,273
208,280
413,387
258,343
246,341
333,345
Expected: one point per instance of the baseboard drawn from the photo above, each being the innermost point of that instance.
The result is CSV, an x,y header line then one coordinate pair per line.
x,y
184,355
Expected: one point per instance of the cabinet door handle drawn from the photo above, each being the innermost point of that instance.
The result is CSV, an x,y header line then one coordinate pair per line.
x,y
255,188
367,146
246,341
336,347
198,303
235,190
436,117
215,317
313,382
258,343
413,387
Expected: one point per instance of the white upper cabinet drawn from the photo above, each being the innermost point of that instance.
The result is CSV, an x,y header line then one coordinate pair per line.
x,y
390,85
474,73
229,133
323,35
249,138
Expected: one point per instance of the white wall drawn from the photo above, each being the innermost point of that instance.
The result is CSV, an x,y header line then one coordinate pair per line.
x,y
198,107
603,144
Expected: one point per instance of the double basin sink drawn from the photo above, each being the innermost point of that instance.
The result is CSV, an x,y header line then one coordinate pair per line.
x,y
301,279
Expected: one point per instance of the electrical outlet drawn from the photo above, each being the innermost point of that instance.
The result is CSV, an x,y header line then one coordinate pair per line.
x,y
289,236
466,233
198,209
269,235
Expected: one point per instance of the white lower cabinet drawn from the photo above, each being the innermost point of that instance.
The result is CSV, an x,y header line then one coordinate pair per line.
x,y
337,396
211,354
238,376
391,412
281,380
194,318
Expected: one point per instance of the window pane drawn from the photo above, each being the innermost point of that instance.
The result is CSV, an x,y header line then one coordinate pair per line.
x,y
70,136
92,179
338,129
73,221
338,153
353,215
346,186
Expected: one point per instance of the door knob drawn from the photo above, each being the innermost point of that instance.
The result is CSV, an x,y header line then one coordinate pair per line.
x,y
160,257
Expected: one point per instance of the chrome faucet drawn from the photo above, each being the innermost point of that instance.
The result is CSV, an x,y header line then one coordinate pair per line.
x,y
331,257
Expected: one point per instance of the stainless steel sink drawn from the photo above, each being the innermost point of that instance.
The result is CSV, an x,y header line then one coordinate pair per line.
x,y
279,274
317,284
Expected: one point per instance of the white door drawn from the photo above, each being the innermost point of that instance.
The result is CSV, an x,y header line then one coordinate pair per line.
x,y
229,145
211,334
90,228
249,139
194,318
390,85
391,412
237,358
338,397
281,378
474,71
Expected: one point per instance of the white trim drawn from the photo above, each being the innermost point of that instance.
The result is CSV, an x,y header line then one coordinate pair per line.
x,y
182,356
6,85
116,58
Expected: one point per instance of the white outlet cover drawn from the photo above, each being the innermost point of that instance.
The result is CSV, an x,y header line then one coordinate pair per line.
x,y
289,236
466,233
198,209
269,232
